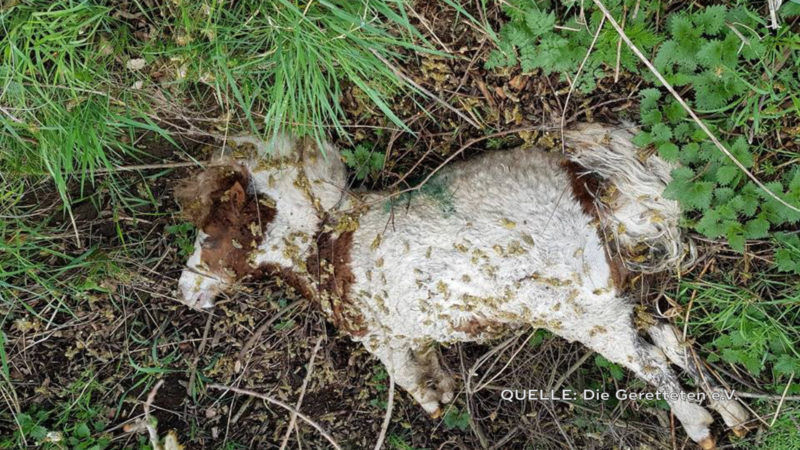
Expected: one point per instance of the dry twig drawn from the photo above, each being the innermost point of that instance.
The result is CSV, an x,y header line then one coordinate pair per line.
x,y
783,398
388,417
144,423
575,80
309,371
283,405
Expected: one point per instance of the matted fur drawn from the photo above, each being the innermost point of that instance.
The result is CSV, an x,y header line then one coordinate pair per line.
x,y
643,224
508,239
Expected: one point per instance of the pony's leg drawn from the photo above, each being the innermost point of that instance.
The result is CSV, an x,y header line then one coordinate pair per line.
x,y
417,370
608,329
668,339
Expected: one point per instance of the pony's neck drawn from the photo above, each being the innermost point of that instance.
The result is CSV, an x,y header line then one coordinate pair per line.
x,y
303,184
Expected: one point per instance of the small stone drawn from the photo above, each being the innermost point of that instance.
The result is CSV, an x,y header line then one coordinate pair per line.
x,y
136,64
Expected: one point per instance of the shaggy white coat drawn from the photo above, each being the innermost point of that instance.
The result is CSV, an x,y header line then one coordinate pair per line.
x,y
492,243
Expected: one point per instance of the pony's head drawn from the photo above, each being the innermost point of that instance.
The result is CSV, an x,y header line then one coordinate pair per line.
x,y
231,219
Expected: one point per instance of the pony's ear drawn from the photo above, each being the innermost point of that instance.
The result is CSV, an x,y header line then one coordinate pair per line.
x,y
194,198
196,194
237,196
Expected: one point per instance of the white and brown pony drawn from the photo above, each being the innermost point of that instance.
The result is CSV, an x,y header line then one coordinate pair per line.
x,y
507,239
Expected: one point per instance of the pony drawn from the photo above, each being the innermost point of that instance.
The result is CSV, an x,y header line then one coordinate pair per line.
x,y
507,239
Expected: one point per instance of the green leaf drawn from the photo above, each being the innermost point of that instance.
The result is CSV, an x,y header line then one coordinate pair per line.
x,y
518,35
726,174
3,358
712,89
539,22
689,152
674,112
740,151
642,139
711,54
787,261
682,131
681,28
734,232
723,195
82,430
649,100
651,117
668,151
529,58
614,369
787,256
496,59
38,432
681,179
794,185
666,56
661,132
698,195
616,372
711,20
456,419
756,228
787,365
747,201
710,225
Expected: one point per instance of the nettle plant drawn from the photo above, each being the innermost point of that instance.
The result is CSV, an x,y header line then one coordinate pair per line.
x,y
726,68
731,70
532,39
726,203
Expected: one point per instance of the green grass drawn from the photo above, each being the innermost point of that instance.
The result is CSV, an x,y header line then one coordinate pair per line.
x,y
65,109
752,324
284,63
80,85
77,84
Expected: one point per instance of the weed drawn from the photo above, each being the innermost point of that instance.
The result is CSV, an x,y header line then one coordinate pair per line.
x,y
731,77
76,423
398,442
183,233
742,80
532,40
781,436
753,324
455,418
718,56
613,369
364,160
539,337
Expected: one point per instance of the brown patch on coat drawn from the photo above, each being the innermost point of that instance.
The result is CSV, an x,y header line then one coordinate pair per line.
x,y
476,326
218,202
289,278
329,267
197,193
619,274
586,187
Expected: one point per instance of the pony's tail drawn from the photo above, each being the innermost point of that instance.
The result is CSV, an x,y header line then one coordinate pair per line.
x,y
633,211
